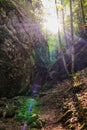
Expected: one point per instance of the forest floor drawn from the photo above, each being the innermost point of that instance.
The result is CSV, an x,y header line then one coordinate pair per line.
x,y
62,107
66,104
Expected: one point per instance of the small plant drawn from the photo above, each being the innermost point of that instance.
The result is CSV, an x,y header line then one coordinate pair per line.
x,y
27,111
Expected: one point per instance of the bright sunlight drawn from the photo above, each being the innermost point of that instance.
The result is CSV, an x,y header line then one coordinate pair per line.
x,y
51,23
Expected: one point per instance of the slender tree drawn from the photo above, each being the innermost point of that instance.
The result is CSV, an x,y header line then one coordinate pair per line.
x,y
64,29
72,38
60,44
82,12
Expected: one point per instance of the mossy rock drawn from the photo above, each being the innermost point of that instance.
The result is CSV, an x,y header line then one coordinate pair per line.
x,y
66,116
84,126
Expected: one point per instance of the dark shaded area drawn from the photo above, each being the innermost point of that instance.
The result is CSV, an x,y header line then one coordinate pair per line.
x,y
21,43
40,75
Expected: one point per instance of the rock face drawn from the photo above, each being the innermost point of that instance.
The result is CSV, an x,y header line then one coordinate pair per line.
x,y
20,35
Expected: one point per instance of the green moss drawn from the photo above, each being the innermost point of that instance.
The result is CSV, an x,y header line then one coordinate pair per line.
x,y
23,114
84,126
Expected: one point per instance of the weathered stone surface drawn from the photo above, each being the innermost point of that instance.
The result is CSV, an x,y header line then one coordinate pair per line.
x,y
20,39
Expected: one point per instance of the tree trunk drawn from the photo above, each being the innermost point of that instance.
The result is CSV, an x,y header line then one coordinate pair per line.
x,y
60,44
72,38
64,29
82,11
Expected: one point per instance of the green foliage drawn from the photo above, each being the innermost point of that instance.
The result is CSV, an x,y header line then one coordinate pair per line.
x,y
23,3
52,43
85,3
33,7
53,47
23,114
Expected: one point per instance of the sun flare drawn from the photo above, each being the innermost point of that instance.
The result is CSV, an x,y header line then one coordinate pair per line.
x,y
51,23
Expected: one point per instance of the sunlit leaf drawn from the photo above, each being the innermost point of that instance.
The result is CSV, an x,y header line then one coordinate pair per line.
x,y
59,6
